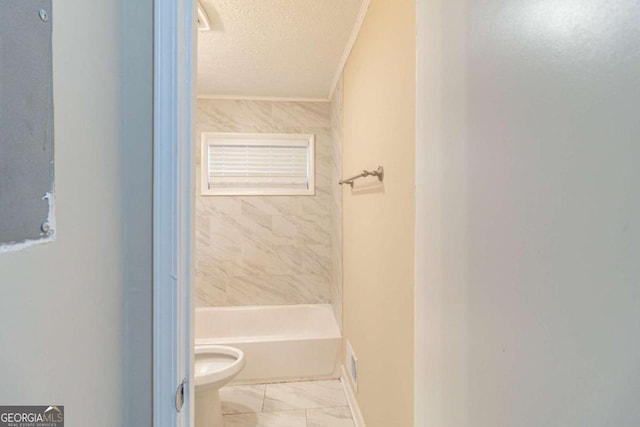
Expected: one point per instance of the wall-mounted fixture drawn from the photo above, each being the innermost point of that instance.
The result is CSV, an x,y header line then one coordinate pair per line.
x,y
378,172
204,24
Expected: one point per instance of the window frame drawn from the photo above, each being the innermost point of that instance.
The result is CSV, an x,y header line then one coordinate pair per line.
x,y
257,139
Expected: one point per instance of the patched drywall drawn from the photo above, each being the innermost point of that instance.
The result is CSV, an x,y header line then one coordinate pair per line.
x,y
27,204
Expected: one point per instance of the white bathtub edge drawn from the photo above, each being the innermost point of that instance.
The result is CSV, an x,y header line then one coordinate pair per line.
x,y
324,306
284,343
358,420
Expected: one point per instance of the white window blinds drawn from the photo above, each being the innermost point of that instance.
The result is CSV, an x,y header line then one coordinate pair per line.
x,y
257,164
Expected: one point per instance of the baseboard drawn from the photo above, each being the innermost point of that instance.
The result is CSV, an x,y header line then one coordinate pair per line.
x,y
358,420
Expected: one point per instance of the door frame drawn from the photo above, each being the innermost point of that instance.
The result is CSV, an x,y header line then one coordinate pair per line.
x,y
174,77
421,406
427,180
174,100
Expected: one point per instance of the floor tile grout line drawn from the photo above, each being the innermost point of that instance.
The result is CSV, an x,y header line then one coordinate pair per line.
x,y
264,398
305,408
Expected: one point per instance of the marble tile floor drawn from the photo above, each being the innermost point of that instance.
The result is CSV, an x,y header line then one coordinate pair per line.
x,y
293,404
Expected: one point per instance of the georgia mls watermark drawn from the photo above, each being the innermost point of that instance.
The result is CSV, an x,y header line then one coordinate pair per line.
x,y
32,416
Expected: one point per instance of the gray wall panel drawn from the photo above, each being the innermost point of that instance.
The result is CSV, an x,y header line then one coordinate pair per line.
x,y
26,120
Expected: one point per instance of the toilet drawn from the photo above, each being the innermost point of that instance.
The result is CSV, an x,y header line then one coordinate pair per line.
x,y
215,365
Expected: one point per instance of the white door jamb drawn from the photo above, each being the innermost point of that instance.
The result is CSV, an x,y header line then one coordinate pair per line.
x,y
174,40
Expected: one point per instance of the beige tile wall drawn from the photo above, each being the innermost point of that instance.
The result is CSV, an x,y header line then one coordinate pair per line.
x,y
253,250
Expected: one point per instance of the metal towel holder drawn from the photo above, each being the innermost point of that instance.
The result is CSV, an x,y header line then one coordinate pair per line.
x,y
378,172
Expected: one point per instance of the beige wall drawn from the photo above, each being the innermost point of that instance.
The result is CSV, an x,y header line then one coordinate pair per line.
x,y
379,110
274,249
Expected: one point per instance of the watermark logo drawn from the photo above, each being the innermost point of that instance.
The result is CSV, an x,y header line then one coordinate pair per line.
x,y
32,416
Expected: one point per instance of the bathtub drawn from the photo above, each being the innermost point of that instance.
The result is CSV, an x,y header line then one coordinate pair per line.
x,y
281,343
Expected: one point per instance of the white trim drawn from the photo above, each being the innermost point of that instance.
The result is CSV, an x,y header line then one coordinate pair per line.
x,y
357,26
358,419
427,182
419,343
204,23
174,28
262,98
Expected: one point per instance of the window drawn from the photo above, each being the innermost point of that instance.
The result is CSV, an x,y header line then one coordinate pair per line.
x,y
257,164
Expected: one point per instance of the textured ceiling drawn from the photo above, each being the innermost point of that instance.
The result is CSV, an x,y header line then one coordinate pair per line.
x,y
275,48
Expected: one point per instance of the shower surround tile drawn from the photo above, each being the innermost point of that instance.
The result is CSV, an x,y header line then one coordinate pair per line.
x,y
277,290
204,294
272,249
301,114
233,116
274,205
